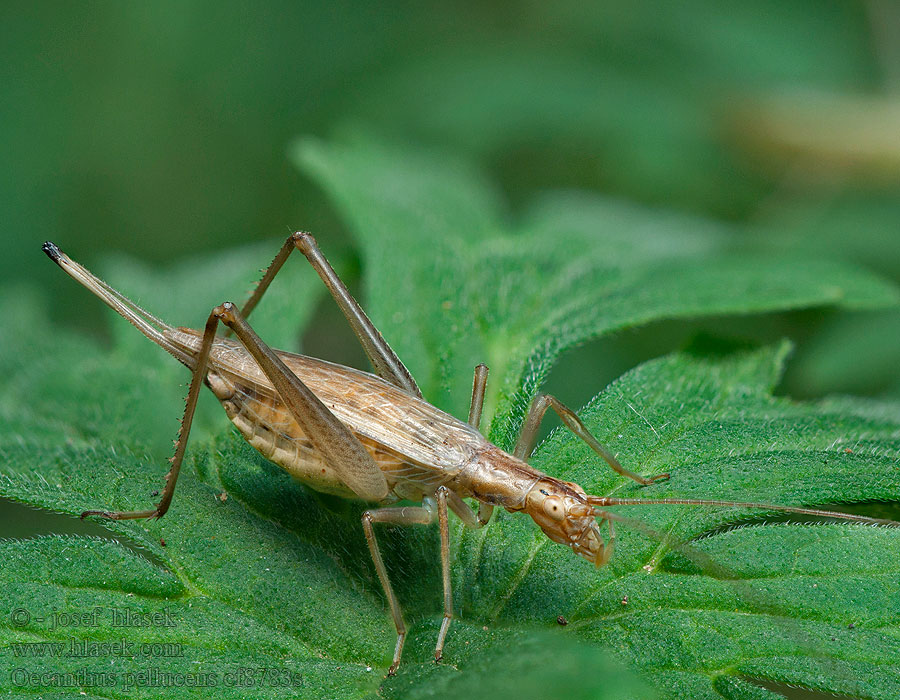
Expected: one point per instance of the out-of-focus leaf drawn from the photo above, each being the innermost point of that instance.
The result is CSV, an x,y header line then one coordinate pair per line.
x,y
274,576
475,287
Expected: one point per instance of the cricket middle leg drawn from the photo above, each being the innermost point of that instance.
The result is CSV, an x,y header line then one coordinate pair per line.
x,y
413,515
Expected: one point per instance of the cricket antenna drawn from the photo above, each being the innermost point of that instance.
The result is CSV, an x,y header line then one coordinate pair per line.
x,y
604,501
143,320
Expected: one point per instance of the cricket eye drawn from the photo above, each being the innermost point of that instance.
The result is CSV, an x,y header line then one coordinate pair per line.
x,y
553,508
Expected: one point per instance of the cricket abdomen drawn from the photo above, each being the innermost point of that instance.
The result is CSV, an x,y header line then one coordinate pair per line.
x,y
272,431
266,424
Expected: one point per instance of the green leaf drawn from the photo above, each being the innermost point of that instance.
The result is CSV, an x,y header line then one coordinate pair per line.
x,y
516,294
274,576
856,353
261,580
278,577
798,604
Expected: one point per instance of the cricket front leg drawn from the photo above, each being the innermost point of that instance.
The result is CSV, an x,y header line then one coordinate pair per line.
x,y
528,436
199,374
384,360
606,550
470,518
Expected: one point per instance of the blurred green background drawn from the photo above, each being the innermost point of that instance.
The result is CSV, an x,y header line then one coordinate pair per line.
x,y
161,130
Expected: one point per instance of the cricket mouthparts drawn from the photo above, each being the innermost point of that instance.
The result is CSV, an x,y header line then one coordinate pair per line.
x,y
52,251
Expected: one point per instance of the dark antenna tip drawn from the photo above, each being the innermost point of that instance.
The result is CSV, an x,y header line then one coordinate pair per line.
x,y
52,251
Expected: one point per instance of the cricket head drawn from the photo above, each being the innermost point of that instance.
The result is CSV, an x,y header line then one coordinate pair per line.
x,y
561,510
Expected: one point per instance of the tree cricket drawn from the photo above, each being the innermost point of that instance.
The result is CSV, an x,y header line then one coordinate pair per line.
x,y
374,437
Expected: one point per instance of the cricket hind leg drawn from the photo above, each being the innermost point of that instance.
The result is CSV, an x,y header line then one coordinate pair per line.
x,y
331,438
413,515
528,436
384,360
199,374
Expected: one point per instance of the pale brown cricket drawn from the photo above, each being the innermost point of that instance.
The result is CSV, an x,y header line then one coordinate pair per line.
x,y
358,435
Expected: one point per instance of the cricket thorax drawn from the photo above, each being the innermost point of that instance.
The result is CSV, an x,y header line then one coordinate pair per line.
x,y
560,508
496,477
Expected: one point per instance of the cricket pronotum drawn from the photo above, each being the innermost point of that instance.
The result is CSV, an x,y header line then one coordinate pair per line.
x,y
373,436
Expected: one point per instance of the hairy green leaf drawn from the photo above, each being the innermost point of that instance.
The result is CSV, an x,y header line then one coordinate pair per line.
x,y
739,601
264,587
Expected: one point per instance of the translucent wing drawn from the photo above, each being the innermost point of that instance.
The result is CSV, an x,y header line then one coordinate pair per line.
x,y
409,437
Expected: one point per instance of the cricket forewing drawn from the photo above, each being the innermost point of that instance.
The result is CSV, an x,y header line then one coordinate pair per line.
x,y
417,446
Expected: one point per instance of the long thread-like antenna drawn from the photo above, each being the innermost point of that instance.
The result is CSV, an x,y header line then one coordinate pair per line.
x,y
604,501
